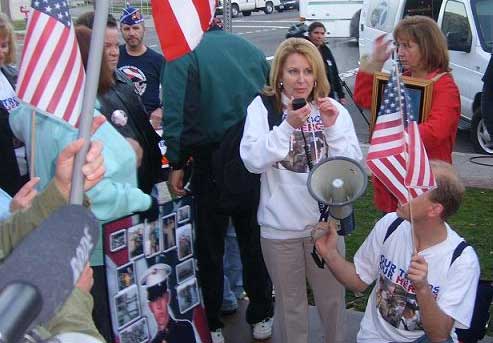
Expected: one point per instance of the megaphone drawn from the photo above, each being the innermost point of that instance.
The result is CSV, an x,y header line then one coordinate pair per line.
x,y
337,182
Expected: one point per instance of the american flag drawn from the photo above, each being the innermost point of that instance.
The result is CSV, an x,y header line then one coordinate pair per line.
x,y
51,75
180,24
396,155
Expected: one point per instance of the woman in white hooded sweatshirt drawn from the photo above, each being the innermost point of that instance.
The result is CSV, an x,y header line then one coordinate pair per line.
x,y
286,207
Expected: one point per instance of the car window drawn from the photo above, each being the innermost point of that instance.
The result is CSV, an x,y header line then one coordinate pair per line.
x,y
456,22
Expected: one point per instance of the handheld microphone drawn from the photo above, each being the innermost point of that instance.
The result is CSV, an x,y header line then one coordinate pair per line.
x,y
50,260
298,103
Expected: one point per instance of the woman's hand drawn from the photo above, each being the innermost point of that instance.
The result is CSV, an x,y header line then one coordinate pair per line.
x,y
382,49
297,118
24,197
328,111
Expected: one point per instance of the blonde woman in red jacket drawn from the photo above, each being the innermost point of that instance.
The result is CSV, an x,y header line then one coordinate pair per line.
x,y
423,53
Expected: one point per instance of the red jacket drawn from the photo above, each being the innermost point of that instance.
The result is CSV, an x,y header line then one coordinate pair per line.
x,y
438,131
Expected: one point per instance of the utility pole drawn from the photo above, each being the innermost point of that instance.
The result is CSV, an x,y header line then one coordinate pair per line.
x,y
227,16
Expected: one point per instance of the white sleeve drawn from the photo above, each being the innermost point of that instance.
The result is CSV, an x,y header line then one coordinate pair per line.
x,y
341,137
459,293
261,147
367,258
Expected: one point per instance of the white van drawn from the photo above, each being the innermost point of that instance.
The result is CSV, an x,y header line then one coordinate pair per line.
x,y
246,7
336,15
468,26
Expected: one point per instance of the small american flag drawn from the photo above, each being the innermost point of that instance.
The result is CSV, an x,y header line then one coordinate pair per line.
x,y
180,24
396,155
51,75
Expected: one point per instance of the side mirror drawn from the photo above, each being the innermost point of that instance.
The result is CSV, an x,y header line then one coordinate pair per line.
x,y
458,41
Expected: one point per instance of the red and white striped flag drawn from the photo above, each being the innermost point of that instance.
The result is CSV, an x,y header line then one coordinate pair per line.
x,y
396,155
180,24
51,75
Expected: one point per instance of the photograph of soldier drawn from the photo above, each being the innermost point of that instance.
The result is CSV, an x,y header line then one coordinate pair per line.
x,y
169,329
169,232
188,295
184,214
126,276
118,240
127,307
135,241
184,238
135,333
185,271
410,319
152,238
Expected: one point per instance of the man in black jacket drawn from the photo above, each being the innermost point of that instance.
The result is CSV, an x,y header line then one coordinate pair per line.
x,y
316,35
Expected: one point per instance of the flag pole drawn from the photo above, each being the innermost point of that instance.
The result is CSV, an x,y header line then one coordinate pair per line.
x,y
89,99
413,237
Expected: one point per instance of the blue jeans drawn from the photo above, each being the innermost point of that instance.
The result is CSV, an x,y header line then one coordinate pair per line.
x,y
233,278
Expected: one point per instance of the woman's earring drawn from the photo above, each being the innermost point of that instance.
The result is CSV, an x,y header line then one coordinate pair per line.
x,y
314,83
281,85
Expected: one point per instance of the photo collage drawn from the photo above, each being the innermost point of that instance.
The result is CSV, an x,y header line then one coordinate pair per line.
x,y
151,265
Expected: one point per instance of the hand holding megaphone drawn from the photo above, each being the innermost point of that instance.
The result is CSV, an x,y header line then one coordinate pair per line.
x,y
325,238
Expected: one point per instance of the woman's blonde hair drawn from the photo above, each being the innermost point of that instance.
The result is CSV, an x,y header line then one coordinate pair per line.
x,y
305,48
426,34
7,32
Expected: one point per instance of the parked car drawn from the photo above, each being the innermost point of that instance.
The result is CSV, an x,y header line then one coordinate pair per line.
x,y
246,7
289,4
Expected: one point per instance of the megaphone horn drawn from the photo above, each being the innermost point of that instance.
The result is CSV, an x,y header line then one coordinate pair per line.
x,y
337,182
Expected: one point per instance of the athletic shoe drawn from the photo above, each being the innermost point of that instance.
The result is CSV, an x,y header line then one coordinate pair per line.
x,y
217,336
263,330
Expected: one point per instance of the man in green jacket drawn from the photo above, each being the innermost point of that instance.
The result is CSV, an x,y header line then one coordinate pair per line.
x,y
205,93
75,315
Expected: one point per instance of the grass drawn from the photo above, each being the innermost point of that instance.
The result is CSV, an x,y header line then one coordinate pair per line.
x,y
473,222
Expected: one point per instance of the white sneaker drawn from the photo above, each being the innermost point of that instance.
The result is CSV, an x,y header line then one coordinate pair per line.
x,y
263,330
217,336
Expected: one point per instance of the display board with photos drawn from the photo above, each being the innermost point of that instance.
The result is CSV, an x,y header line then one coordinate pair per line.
x,y
151,273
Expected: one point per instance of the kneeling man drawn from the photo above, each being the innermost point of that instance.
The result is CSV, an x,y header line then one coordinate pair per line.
x,y
424,291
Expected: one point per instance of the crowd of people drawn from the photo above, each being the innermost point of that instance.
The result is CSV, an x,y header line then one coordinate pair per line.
x,y
225,93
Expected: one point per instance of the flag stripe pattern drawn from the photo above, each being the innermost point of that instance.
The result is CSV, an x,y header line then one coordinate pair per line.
x,y
51,74
396,155
180,24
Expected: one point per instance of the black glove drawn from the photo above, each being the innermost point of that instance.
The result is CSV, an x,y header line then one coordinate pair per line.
x,y
152,213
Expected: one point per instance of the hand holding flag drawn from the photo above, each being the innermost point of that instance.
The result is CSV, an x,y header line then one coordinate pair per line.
x,y
396,155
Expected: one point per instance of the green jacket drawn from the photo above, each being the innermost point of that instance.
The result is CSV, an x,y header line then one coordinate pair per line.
x,y
76,313
207,91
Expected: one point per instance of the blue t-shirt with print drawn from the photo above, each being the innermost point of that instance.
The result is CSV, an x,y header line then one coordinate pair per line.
x,y
145,72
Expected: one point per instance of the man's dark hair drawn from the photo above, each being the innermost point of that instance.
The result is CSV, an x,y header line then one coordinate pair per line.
x,y
316,25
87,20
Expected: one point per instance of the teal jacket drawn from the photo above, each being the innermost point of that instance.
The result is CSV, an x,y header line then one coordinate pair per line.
x,y
207,91
113,197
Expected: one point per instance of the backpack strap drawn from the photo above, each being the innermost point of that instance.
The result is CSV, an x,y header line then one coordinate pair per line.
x,y
392,227
273,116
458,251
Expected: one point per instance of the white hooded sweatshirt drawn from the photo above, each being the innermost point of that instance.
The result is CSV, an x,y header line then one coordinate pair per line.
x,y
286,207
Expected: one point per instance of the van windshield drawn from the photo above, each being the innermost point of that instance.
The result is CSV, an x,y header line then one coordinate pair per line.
x,y
483,13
